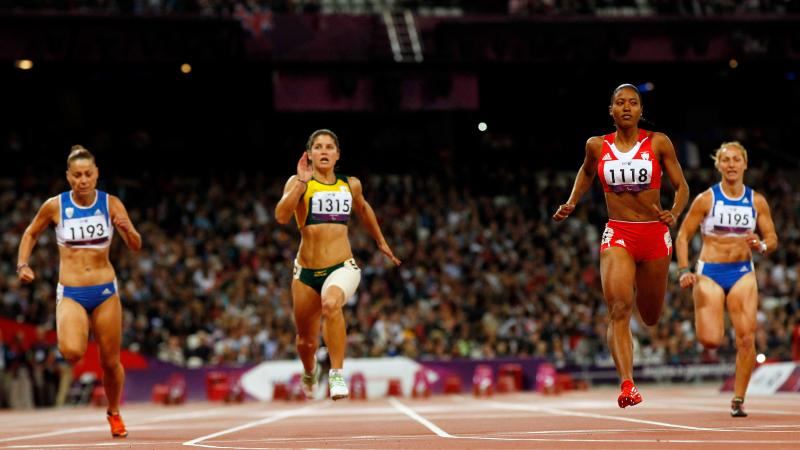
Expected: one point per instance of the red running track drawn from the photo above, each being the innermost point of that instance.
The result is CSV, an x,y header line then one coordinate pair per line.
x,y
669,418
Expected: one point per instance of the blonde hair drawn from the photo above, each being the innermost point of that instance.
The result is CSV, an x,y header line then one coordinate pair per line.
x,y
79,152
735,144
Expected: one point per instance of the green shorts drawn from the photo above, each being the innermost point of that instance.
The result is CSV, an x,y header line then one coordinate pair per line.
x,y
347,276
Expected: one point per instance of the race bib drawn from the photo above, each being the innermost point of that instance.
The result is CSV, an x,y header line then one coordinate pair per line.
x,y
89,228
628,176
331,206
733,219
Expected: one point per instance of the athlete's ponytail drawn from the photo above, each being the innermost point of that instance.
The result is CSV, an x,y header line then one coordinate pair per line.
x,y
79,152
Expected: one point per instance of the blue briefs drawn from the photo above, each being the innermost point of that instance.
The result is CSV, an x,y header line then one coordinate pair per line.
x,y
725,274
90,297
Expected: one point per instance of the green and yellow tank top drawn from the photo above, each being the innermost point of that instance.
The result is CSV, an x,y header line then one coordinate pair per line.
x,y
326,203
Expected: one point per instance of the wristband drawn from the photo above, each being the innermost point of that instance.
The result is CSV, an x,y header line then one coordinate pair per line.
x,y
21,266
683,270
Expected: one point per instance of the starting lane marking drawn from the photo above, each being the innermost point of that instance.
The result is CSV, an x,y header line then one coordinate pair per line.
x,y
271,419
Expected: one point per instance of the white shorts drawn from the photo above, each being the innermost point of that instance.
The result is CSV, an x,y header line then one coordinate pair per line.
x,y
345,275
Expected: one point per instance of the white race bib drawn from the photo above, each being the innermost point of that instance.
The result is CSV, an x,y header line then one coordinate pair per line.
x,y
730,218
633,175
86,229
331,205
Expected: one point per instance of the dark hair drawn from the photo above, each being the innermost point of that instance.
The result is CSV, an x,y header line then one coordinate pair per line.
x,y
626,86
648,125
79,152
320,132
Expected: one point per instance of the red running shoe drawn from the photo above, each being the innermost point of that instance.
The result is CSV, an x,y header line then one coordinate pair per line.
x,y
117,425
629,396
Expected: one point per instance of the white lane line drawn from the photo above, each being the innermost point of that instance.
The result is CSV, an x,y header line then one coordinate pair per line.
x,y
561,412
131,425
759,443
98,444
271,419
724,410
423,421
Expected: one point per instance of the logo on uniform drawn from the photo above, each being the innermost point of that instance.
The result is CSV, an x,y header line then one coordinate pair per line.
x,y
620,242
607,157
743,269
106,291
98,212
646,156
69,211
746,200
343,188
608,233
668,240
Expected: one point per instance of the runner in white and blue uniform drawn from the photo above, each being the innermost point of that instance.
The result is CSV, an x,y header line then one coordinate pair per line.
x,y
87,297
728,214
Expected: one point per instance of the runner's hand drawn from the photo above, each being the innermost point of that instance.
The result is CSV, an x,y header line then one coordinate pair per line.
x,y
563,212
384,247
687,279
26,275
304,169
665,216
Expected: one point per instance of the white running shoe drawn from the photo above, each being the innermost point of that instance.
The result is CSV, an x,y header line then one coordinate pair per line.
x,y
338,386
309,382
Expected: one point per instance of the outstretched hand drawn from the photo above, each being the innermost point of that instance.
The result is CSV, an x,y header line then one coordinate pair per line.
x,y
563,211
665,216
384,248
304,169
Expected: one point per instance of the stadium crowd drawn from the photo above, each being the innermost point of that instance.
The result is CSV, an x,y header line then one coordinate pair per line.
x,y
486,273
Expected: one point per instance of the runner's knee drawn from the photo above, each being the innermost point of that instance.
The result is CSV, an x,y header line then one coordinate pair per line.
x,y
71,352
331,305
709,340
306,343
619,310
110,362
745,340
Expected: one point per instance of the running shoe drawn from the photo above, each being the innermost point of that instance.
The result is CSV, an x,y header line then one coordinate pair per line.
x,y
736,407
629,396
338,386
118,429
310,380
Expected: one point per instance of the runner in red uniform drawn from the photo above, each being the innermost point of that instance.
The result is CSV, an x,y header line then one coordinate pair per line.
x,y
636,247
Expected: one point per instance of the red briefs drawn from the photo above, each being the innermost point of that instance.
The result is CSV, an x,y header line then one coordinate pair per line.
x,y
644,241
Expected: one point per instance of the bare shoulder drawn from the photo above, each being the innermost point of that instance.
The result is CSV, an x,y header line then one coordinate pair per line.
x,y
594,145
114,202
703,200
661,141
759,200
51,204
288,184
354,183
